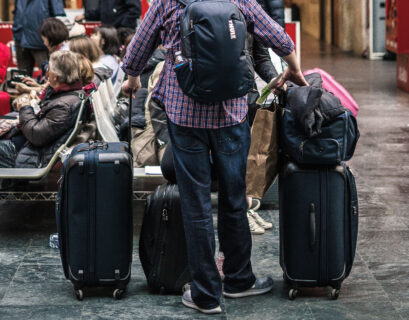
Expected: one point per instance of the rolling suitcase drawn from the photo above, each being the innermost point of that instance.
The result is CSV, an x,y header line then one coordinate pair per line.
x,y
318,226
94,216
162,244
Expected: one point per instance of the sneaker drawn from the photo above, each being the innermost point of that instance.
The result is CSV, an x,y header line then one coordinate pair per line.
x,y
255,228
259,220
255,204
188,302
186,287
261,286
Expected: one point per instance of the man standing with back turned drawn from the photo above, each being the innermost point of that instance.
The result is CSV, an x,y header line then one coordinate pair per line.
x,y
196,129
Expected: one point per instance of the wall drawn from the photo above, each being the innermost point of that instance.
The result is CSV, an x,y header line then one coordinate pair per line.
x,y
3,10
352,25
310,16
350,22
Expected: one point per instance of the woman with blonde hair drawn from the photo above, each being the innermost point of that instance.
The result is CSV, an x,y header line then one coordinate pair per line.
x,y
88,48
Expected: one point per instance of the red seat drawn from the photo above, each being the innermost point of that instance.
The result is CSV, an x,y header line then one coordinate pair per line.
x,y
4,62
4,103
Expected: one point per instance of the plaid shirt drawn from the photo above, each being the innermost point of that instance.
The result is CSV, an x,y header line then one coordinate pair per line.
x,y
161,25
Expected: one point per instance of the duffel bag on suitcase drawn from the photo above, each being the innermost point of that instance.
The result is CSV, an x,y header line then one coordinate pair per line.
x,y
162,244
336,142
318,226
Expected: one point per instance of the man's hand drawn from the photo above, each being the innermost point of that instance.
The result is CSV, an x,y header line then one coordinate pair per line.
x,y
131,85
293,72
294,76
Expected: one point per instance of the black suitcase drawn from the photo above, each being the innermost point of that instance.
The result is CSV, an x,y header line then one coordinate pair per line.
x,y
162,244
94,215
318,226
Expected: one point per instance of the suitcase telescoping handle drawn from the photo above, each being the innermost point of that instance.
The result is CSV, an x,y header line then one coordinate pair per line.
x,y
312,226
130,122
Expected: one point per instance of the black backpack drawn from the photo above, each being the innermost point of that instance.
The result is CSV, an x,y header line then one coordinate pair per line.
x,y
217,65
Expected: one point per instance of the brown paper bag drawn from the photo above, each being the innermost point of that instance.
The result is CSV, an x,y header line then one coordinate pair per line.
x,y
263,155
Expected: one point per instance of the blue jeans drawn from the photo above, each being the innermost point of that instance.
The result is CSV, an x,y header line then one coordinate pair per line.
x,y
229,148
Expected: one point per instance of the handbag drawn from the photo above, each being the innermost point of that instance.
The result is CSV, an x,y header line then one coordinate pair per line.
x,y
263,154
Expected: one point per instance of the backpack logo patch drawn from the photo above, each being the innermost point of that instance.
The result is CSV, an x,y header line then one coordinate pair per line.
x,y
232,30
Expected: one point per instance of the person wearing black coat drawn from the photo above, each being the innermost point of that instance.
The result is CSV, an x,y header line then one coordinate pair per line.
x,y
28,17
262,60
117,13
275,9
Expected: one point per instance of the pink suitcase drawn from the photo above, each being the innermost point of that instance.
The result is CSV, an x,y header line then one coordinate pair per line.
x,y
329,83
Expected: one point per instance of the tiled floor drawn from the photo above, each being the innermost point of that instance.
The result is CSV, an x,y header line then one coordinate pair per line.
x,y
32,285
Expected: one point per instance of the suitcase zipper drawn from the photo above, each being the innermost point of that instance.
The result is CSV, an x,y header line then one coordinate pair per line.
x,y
92,213
323,273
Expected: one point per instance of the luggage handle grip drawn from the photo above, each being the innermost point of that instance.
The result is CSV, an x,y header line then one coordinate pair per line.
x,y
312,226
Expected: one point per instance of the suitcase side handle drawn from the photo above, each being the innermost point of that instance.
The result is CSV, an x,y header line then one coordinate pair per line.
x,y
312,226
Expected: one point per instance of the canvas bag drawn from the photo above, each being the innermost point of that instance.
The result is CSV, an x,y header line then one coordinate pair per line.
x,y
263,155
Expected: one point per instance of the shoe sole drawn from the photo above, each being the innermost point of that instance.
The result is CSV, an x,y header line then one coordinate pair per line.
x,y
248,293
192,305
257,233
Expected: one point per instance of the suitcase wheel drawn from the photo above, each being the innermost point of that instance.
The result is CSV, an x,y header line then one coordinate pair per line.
x,y
334,294
79,294
292,294
118,294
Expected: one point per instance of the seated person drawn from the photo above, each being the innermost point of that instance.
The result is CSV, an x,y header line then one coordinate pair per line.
x,y
106,38
47,130
93,53
125,36
87,74
54,34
